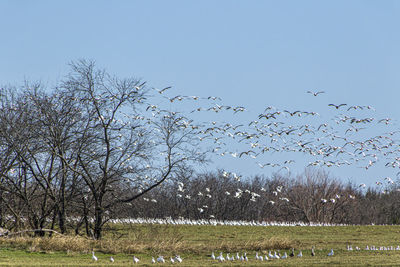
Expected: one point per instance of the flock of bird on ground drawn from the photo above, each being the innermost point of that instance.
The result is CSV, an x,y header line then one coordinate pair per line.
x,y
341,141
270,256
243,257
135,260
221,258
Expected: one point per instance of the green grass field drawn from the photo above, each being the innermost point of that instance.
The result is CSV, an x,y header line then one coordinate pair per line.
x,y
195,244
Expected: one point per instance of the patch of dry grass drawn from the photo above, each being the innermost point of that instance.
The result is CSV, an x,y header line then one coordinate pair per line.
x,y
147,239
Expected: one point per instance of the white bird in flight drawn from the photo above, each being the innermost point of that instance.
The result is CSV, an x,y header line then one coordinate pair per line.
x,y
315,93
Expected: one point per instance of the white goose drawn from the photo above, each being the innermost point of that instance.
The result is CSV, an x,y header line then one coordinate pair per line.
x,y
300,254
93,256
160,259
270,255
178,258
228,257
221,257
331,253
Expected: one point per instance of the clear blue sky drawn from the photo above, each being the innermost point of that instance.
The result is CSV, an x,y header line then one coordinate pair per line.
x,y
250,53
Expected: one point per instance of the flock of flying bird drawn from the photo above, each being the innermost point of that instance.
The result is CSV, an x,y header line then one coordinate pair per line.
x,y
342,141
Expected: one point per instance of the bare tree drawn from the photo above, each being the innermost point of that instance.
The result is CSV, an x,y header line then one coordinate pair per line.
x,y
122,153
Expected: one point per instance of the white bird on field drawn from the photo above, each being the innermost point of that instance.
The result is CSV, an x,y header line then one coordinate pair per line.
x,y
221,257
229,258
160,259
153,260
212,255
300,254
270,255
178,258
331,253
284,256
111,259
172,260
93,256
135,259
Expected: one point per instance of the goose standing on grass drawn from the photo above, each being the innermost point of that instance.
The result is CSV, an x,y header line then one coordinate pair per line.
x,y
93,256
153,260
292,253
284,256
221,257
266,257
331,253
212,255
300,254
178,258
228,257
135,259
312,252
160,259
111,259
237,256
276,256
172,260
270,255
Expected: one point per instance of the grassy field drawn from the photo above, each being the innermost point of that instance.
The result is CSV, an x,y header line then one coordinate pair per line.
x,y
195,244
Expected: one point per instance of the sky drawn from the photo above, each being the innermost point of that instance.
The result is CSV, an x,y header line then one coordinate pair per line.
x,y
249,53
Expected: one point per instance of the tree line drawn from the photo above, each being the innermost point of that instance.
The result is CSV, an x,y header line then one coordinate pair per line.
x,y
313,196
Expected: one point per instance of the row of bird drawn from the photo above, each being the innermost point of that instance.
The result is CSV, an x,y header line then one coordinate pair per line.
x,y
374,248
135,260
258,257
214,222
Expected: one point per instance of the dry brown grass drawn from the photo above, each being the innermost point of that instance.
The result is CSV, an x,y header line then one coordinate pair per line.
x,y
170,244
151,239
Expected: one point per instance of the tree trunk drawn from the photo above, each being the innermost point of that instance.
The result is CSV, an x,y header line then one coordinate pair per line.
x,y
98,223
